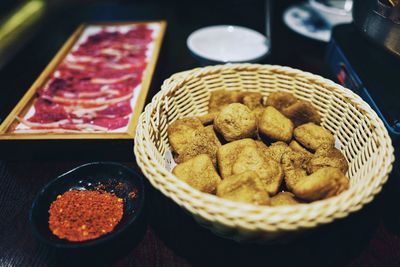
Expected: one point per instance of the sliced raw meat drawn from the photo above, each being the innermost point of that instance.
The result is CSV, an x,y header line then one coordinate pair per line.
x,y
92,88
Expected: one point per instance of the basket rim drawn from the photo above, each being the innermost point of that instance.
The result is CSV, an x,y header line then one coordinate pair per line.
x,y
262,217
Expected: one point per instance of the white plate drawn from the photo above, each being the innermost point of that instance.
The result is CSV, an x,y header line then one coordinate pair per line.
x,y
313,23
227,43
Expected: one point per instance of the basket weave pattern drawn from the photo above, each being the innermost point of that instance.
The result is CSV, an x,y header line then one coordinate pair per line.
x,y
363,137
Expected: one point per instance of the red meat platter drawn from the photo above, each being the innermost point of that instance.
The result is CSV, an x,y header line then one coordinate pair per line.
x,y
89,96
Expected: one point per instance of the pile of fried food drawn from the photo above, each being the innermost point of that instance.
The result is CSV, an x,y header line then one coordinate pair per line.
x,y
262,151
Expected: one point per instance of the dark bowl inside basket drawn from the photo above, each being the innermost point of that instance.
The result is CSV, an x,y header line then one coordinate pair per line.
x,y
107,176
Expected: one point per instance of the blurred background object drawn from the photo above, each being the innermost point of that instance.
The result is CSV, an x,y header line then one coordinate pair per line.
x,y
17,25
19,21
315,18
379,20
342,7
7,5
364,57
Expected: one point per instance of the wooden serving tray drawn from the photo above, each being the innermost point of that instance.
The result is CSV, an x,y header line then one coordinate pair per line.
x,y
84,144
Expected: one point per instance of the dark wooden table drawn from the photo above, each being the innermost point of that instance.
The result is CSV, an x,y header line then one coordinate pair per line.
x,y
369,237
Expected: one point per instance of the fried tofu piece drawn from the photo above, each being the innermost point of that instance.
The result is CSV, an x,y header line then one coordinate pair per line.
x,y
204,142
262,147
235,122
327,155
311,136
208,118
244,155
275,125
269,171
228,153
302,112
297,110
281,100
211,133
252,100
276,150
258,113
244,187
284,198
181,132
199,172
221,98
324,183
294,165
295,146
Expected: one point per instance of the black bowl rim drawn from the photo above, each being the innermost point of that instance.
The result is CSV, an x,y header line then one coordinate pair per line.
x,y
93,242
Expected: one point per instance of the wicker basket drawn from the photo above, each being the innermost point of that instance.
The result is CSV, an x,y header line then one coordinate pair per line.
x,y
364,141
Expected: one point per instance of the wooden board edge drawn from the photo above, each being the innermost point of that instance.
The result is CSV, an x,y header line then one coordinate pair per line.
x,y
60,55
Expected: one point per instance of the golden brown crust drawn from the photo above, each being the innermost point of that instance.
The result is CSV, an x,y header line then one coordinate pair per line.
x,y
204,142
276,150
221,98
252,100
324,183
295,146
302,112
269,171
258,113
244,187
228,153
181,132
284,198
252,172
275,125
262,147
199,172
235,122
294,166
328,156
280,100
311,136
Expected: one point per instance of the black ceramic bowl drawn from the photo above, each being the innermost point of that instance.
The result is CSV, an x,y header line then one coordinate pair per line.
x,y
110,177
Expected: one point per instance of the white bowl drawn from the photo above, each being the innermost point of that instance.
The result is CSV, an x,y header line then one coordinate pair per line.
x,y
228,43
314,21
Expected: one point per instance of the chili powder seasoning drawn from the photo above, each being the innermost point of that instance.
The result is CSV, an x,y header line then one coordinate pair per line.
x,y
83,215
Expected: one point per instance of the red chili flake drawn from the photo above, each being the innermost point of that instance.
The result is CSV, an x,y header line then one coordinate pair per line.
x,y
83,215
133,194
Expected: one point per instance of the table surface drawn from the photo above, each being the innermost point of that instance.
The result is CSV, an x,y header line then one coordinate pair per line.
x,y
370,237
